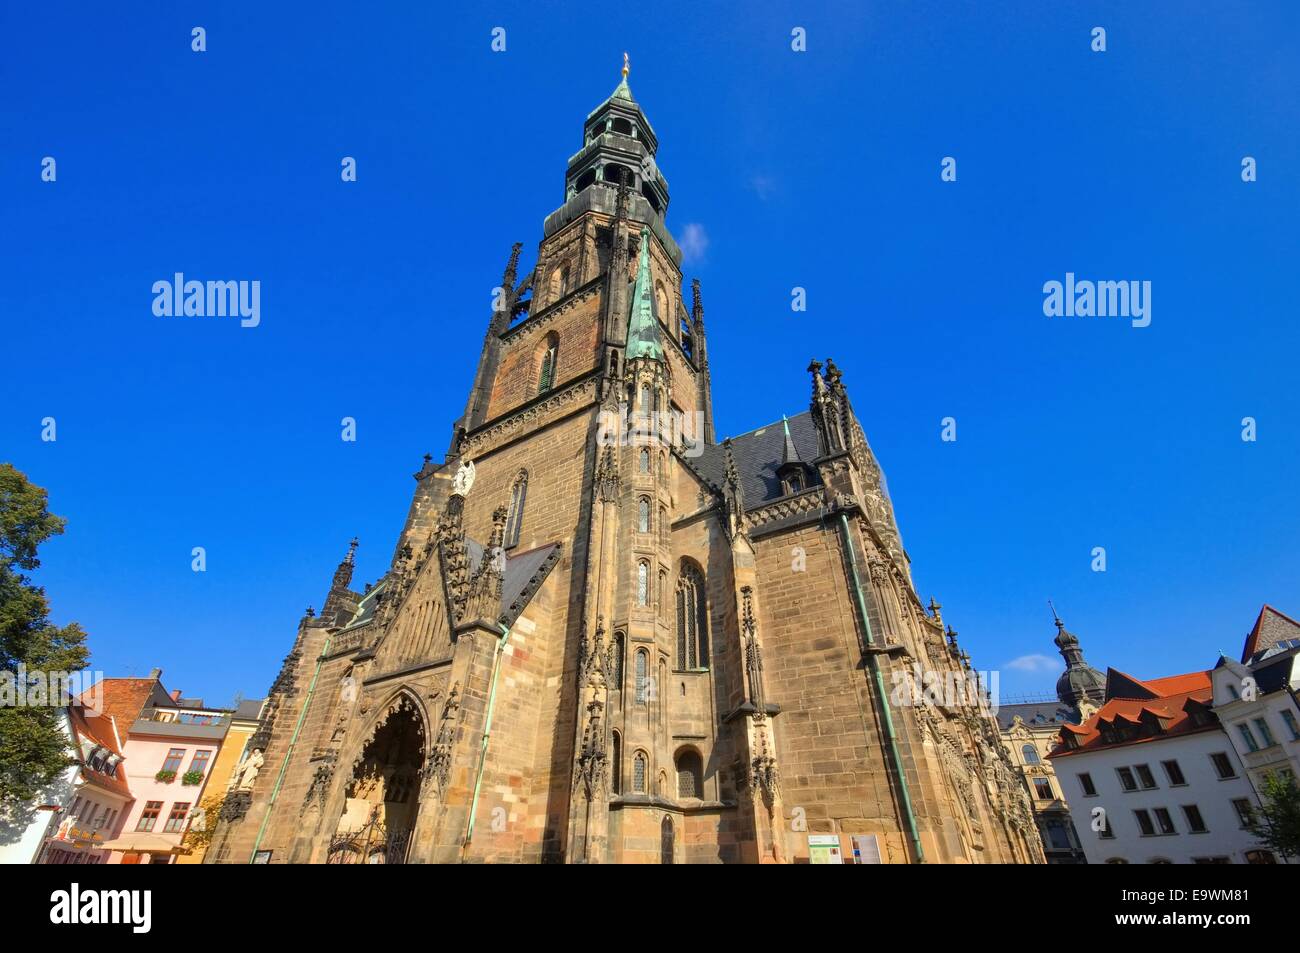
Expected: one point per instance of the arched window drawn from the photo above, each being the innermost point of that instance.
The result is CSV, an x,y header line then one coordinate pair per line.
x,y
584,180
645,460
692,619
616,663
643,583
616,763
643,517
690,774
616,173
1030,754
666,841
663,591
622,126
642,676
515,517
661,302
645,398
687,338
638,772
549,358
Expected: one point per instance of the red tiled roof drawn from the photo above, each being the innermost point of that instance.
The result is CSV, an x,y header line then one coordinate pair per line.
x,y
1170,700
99,729
123,698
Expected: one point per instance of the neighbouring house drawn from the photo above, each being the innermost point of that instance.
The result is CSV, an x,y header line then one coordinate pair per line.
x,y
1152,778
83,808
1255,699
171,745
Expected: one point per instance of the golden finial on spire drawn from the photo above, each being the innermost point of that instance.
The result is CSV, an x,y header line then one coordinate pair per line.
x,y
626,66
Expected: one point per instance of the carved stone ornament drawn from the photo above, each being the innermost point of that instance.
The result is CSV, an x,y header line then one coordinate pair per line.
x,y
464,479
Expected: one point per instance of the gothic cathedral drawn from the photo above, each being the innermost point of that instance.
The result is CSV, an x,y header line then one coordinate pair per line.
x,y
607,638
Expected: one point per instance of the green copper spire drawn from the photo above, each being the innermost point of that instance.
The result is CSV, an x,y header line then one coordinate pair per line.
x,y
623,90
643,323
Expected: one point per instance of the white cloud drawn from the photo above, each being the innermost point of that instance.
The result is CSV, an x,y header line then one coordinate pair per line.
x,y
693,242
1033,663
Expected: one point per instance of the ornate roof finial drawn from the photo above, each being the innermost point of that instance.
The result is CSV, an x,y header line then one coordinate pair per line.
x,y
351,557
1055,617
627,67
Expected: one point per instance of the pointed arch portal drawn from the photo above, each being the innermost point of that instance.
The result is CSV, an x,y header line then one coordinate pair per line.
x,y
384,791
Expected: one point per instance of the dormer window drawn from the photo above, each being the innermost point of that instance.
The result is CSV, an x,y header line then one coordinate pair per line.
x,y
793,479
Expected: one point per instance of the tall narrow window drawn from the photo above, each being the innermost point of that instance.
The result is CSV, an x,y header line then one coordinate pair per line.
x,y
643,516
643,583
638,773
642,677
547,363
616,763
645,460
515,518
692,619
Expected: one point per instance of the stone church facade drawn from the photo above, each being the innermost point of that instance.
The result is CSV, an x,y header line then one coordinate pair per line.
x,y
606,637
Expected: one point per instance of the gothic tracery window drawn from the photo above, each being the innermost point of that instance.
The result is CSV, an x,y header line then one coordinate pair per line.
x,y
692,619
515,517
638,773
643,516
642,583
616,763
642,676
644,460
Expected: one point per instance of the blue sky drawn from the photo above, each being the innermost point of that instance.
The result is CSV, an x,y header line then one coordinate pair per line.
x,y
817,169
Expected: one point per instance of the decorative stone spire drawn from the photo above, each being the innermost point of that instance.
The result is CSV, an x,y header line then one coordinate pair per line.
x,y
733,494
789,454
697,305
343,575
643,321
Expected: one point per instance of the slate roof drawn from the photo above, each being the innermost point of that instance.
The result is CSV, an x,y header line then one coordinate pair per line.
x,y
522,570
1037,714
759,455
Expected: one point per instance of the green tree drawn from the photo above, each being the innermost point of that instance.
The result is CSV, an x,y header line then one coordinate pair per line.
x,y
33,749
1277,822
